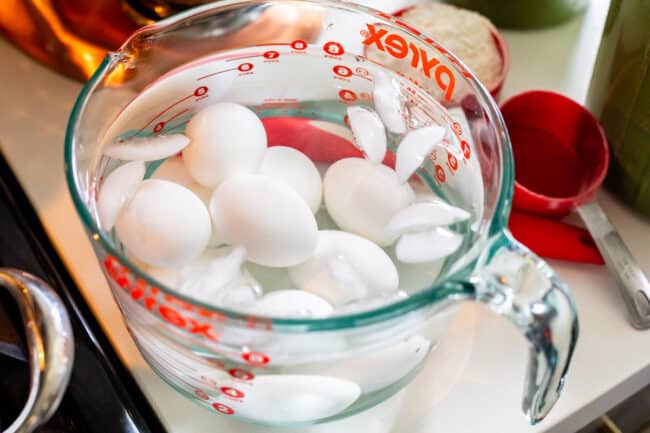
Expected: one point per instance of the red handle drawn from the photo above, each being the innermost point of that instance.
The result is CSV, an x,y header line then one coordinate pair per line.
x,y
554,239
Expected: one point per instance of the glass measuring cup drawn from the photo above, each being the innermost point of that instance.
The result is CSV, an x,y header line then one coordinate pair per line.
x,y
304,371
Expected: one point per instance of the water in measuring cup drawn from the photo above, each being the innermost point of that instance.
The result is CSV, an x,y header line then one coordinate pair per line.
x,y
314,183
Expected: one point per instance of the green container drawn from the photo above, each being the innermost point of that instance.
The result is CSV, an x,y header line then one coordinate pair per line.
x,y
524,14
619,96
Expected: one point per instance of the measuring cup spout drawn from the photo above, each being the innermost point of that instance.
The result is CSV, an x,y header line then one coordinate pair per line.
x,y
518,285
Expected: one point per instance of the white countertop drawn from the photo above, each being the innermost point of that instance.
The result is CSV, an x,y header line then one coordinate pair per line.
x,y
476,385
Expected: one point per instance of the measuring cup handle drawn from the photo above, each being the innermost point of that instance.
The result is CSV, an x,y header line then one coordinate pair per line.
x,y
50,342
520,286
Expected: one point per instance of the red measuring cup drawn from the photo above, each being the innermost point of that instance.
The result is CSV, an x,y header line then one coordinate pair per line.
x,y
561,158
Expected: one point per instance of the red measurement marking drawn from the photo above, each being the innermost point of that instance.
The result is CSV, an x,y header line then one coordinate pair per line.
x,y
215,73
467,150
200,91
200,394
245,67
440,174
342,71
364,96
457,128
270,55
347,95
159,127
163,112
256,358
299,45
238,373
333,48
232,392
452,162
226,410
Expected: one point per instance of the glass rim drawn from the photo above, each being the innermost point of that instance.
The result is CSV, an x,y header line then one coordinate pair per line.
x,y
437,291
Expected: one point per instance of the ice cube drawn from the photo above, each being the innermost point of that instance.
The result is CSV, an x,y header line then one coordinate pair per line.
x,y
369,133
425,215
148,148
389,102
213,271
415,148
338,282
427,246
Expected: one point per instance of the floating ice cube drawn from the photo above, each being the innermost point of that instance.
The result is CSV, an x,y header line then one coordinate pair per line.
x,y
149,148
425,215
116,190
415,148
240,295
337,282
215,270
292,304
427,246
369,133
389,102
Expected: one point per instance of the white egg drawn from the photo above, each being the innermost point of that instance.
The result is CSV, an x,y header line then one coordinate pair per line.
x,y
293,398
378,369
369,133
415,148
426,215
292,167
362,197
266,217
164,224
344,268
226,140
389,102
148,148
292,304
116,190
427,246
174,170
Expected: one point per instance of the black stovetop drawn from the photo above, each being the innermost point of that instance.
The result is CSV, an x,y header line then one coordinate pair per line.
x,y
102,396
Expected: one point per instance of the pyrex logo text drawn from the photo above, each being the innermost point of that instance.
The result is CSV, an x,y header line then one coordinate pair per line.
x,y
398,47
